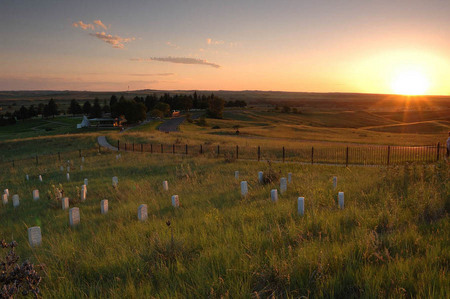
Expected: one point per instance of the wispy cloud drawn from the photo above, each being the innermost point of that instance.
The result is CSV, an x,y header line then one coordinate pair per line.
x,y
182,60
82,25
114,40
210,41
154,75
170,44
100,24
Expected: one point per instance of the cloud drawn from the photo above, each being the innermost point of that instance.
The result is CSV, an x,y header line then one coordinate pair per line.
x,y
151,75
170,44
182,60
82,25
100,24
210,41
114,40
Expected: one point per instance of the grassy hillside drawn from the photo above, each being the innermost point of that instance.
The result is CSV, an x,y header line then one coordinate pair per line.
x,y
390,240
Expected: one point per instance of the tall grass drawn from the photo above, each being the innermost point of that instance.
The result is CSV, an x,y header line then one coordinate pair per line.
x,y
391,240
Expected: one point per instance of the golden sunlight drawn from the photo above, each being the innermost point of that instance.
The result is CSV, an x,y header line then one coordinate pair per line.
x,y
410,82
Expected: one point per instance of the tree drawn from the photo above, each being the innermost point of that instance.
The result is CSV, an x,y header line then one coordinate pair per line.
x,y
96,110
87,108
163,107
215,107
106,108
32,111
286,109
113,100
23,113
132,110
52,108
74,108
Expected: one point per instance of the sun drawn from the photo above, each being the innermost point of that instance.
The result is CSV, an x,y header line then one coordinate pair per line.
x,y
410,82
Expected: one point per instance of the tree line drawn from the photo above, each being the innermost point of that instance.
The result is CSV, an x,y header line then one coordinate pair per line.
x,y
134,110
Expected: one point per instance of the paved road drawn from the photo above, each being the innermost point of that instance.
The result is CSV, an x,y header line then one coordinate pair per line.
x,y
104,143
172,124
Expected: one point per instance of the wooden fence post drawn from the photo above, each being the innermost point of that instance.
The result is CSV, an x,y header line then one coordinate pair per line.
x,y
125,146
388,154
284,154
37,160
186,149
133,146
218,150
201,148
59,155
142,148
437,151
162,148
151,148
79,151
312,155
173,148
237,152
118,145
259,153
13,163
346,157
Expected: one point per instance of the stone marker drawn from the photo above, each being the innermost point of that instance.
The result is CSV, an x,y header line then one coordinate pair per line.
x,y
74,216
68,176
175,201
341,200
274,195
301,206
40,178
283,185
115,181
82,159
83,193
81,167
5,198
260,177
334,182
86,182
142,212
244,188
166,186
68,168
27,177
6,191
35,194
15,199
34,236
65,203
236,174
61,168
289,177
104,206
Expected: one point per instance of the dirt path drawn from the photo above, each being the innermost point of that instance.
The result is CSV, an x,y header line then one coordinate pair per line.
x,y
104,143
171,125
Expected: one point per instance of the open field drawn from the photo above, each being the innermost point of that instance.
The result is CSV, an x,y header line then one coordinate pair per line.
x,y
390,240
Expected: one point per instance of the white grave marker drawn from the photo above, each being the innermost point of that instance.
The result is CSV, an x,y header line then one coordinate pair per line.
x,y
104,206
61,168
65,203
86,182
341,200
334,182
16,201
301,206
142,212
236,174
175,201
74,216
5,198
260,177
83,193
244,188
27,177
289,177
115,181
68,176
68,168
166,186
82,159
34,236
40,178
283,185
81,167
35,194
274,195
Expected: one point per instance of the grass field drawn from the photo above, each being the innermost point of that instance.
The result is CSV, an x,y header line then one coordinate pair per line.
x,y
390,240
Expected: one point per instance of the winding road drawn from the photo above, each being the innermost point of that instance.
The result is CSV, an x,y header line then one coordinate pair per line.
x,y
171,125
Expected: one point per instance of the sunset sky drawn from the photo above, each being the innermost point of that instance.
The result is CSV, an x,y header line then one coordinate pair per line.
x,y
319,46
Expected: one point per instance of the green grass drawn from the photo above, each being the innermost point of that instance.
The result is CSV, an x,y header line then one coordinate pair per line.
x,y
391,240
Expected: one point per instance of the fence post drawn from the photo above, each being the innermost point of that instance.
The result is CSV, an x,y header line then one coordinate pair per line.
x,y
118,145
59,156
186,149
173,148
133,146
218,150
437,151
259,153
162,148
125,146
37,160
389,154
151,148
201,148
312,155
346,157
99,148
284,154
142,148
237,152
79,152
13,163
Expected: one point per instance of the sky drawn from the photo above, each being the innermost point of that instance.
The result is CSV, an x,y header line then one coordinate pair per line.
x,y
312,46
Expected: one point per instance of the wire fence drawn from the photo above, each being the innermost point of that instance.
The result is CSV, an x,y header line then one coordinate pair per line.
x,y
337,155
